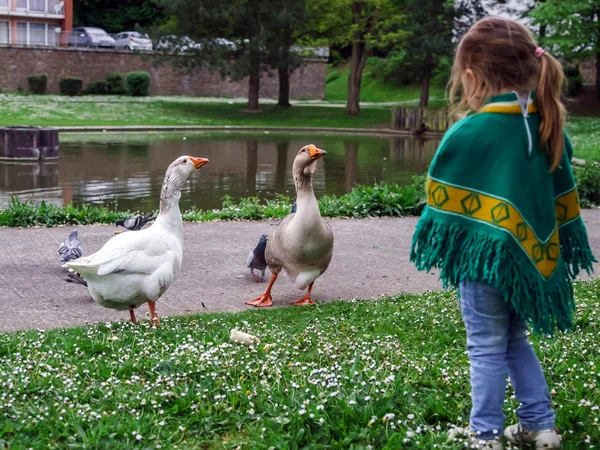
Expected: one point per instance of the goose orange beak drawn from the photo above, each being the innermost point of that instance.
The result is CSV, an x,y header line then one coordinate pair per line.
x,y
315,153
198,162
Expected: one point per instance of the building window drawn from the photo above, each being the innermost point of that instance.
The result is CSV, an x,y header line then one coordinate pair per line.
x,y
35,33
3,4
22,4
22,33
4,33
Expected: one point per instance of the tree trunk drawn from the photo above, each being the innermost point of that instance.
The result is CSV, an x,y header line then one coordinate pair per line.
x,y
358,59
424,92
425,82
598,75
284,87
253,90
357,65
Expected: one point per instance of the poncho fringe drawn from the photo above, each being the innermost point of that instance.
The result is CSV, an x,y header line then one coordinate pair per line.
x,y
464,253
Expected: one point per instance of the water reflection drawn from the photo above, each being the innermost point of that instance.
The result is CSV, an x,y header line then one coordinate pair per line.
x,y
128,169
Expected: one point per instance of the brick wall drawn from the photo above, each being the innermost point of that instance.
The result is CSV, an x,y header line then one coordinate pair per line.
x,y
17,63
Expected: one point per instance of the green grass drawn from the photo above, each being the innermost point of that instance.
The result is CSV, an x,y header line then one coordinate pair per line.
x,y
380,200
384,374
374,89
54,110
584,132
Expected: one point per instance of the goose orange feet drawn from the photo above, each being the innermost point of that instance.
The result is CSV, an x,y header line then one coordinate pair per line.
x,y
264,300
154,320
306,300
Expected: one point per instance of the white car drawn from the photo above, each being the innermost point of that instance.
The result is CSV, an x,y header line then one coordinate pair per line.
x,y
132,40
183,44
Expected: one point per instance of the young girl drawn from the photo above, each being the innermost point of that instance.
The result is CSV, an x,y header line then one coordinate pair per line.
x,y
502,223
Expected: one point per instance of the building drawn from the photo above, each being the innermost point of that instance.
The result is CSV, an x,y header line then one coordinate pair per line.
x,y
35,22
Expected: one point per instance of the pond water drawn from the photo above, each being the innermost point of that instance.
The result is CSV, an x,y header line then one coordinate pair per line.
x,y
128,169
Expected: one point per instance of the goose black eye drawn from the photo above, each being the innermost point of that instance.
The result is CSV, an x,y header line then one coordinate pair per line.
x,y
303,150
185,161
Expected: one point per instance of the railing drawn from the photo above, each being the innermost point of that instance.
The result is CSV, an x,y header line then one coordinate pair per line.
x,y
420,119
34,7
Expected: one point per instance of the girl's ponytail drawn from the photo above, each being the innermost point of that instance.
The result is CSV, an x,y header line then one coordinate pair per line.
x,y
552,111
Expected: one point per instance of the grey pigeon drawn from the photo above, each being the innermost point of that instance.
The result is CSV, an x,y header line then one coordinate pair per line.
x,y
256,259
70,249
135,223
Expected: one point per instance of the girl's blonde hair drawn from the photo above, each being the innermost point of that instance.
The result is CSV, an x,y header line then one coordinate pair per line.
x,y
502,55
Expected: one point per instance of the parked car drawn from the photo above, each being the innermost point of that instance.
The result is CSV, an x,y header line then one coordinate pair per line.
x,y
132,40
90,37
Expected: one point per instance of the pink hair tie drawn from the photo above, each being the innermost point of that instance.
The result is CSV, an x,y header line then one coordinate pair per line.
x,y
539,51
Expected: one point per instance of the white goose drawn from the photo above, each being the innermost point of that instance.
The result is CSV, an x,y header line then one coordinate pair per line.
x,y
135,268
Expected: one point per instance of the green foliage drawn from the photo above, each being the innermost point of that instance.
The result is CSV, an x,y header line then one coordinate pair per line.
x,y
574,80
71,86
115,16
28,214
588,184
20,89
138,84
571,27
381,200
37,84
96,88
116,84
384,374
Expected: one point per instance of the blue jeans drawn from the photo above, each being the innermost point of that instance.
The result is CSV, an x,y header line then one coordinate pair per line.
x,y
498,345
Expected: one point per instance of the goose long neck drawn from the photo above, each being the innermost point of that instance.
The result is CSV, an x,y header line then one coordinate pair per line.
x,y
169,216
306,202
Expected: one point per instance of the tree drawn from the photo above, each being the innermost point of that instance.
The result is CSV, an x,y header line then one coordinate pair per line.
x,y
239,38
430,24
359,24
115,16
286,28
573,30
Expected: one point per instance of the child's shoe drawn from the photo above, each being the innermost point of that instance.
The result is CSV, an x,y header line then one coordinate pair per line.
x,y
542,439
474,441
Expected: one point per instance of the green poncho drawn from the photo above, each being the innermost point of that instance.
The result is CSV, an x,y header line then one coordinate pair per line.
x,y
496,214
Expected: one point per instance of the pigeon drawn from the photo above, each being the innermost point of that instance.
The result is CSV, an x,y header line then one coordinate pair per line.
x,y
70,249
134,223
256,259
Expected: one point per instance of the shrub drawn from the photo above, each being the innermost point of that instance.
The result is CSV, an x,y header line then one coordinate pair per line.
x,y
588,184
574,80
116,84
96,88
71,86
20,89
38,84
138,84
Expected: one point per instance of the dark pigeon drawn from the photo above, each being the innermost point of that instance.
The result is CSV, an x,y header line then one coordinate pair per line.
x,y
70,249
135,223
256,259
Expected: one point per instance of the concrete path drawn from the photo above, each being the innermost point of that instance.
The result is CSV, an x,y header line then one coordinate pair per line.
x,y
370,260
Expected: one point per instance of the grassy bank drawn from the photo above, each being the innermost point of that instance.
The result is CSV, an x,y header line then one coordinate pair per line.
x,y
380,200
374,89
365,374
54,110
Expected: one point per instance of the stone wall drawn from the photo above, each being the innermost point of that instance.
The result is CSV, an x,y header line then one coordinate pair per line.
x,y
17,63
